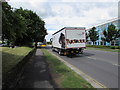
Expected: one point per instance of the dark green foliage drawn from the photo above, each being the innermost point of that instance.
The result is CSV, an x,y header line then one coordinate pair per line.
x,y
111,34
93,35
118,33
87,36
21,27
7,15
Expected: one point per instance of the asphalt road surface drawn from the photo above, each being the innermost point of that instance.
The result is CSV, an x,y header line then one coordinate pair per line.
x,y
100,65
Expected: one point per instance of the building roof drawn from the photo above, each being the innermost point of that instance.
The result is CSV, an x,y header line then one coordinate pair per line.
x,y
108,21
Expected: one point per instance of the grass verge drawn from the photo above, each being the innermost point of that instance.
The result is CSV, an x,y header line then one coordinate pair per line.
x,y
12,56
104,49
63,76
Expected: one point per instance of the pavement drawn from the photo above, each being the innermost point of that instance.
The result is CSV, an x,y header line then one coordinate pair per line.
x,y
99,65
0,70
36,73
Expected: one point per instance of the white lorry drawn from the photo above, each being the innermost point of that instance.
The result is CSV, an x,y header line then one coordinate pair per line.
x,y
69,40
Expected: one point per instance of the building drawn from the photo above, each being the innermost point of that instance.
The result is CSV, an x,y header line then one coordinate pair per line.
x,y
104,26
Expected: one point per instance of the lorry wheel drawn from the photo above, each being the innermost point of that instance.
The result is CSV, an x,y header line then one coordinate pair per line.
x,y
53,49
64,53
70,55
81,52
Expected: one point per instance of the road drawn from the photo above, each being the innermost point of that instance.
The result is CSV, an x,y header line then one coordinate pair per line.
x,y
100,65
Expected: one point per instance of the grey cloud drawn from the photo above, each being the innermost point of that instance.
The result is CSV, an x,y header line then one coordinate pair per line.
x,y
119,13
47,11
78,7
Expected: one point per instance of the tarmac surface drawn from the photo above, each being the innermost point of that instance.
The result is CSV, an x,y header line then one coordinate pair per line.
x,y
36,73
100,65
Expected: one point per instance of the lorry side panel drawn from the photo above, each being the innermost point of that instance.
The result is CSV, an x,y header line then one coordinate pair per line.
x,y
59,39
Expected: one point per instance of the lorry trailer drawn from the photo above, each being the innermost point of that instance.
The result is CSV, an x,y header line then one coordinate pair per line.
x,y
69,40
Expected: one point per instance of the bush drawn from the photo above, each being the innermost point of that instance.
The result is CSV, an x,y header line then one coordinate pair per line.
x,y
113,47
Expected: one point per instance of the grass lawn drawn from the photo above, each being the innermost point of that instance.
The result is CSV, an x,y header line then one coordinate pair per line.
x,y
104,49
63,75
11,56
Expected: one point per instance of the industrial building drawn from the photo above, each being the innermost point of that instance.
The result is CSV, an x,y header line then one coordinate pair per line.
x,y
104,26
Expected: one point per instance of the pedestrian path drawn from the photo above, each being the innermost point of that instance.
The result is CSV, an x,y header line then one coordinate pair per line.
x,y
36,73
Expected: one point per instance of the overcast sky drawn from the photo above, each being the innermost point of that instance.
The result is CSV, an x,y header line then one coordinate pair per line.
x,y
70,13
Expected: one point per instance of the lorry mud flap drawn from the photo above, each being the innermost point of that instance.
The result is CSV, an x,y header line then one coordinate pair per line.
x,y
81,51
60,52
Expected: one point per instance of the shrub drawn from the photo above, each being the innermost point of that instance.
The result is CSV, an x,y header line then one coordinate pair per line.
x,y
113,47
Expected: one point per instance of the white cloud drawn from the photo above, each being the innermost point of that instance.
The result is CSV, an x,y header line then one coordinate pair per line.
x,y
49,36
62,13
77,0
63,0
63,9
27,0
66,16
90,0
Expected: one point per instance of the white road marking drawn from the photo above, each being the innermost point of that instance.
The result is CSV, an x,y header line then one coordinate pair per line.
x,y
93,58
116,64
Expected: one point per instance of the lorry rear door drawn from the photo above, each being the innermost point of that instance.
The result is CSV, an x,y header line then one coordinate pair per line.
x,y
75,38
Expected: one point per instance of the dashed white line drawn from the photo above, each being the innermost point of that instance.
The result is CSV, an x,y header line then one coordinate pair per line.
x,y
93,58
116,64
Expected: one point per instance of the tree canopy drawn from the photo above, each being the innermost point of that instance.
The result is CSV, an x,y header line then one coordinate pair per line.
x,y
21,26
93,35
111,34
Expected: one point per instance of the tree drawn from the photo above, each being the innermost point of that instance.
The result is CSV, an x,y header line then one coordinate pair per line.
x,y
105,38
111,34
35,26
93,35
117,34
13,25
87,36
7,28
21,27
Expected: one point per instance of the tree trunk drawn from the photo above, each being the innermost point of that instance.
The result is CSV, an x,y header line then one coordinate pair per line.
x,y
35,44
